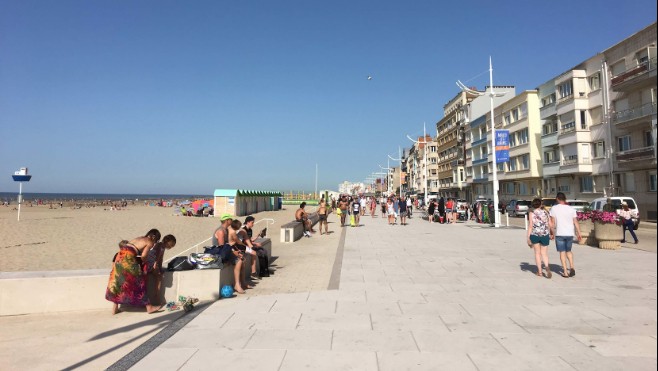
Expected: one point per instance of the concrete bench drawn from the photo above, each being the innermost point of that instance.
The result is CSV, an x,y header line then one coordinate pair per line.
x,y
293,231
63,291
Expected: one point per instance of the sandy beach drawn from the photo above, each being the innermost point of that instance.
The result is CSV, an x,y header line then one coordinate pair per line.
x,y
70,239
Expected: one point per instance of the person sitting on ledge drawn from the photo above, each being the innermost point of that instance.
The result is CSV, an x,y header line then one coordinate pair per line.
x,y
302,217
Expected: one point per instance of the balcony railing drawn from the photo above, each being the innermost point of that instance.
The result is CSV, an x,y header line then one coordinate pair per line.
x,y
574,160
633,71
647,109
568,128
645,153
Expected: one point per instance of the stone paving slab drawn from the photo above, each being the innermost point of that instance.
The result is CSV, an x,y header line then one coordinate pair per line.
x,y
432,297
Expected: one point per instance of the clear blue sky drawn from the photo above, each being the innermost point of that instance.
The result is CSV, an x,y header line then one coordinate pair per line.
x,y
189,96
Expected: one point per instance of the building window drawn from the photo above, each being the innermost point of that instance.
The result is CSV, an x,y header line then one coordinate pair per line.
x,y
599,149
507,119
586,184
652,181
523,110
565,90
523,189
595,81
525,162
515,115
512,140
550,157
648,139
501,167
624,143
512,164
583,120
523,136
509,188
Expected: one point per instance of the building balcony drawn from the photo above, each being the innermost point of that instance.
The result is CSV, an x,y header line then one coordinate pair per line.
x,y
632,116
635,76
573,164
479,141
639,154
480,179
551,168
480,161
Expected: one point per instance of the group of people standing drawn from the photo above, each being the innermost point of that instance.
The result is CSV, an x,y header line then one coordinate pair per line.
x,y
445,211
138,263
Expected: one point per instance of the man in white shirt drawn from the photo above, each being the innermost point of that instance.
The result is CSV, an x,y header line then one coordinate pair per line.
x,y
565,222
626,215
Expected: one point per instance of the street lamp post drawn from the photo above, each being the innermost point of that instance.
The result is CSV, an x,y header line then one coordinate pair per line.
x,y
388,176
492,95
424,142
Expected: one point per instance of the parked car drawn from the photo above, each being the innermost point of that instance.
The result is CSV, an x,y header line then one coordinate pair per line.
x,y
518,207
599,203
548,203
579,205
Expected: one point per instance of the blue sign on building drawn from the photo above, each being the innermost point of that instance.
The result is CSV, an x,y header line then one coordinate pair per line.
x,y
502,146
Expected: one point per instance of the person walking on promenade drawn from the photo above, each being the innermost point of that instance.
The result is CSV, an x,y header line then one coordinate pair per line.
x,y
383,201
390,211
362,202
323,212
402,208
540,233
409,207
127,283
565,223
356,212
449,209
626,216
343,206
441,209
373,206
430,211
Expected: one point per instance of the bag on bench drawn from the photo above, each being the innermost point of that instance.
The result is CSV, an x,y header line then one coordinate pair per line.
x,y
206,261
179,263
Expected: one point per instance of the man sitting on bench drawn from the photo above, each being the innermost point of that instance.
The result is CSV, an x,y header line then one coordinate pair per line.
x,y
302,217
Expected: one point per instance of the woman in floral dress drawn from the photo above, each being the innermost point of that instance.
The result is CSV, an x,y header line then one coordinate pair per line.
x,y
539,235
127,284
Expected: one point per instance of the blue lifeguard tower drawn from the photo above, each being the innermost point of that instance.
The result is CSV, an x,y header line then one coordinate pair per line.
x,y
21,176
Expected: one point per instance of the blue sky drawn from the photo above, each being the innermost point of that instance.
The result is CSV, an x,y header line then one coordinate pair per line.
x,y
185,97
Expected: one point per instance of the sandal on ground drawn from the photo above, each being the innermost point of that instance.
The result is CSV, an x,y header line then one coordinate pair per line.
x,y
572,272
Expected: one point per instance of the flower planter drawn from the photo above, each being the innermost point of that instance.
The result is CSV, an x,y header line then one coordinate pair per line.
x,y
608,235
587,233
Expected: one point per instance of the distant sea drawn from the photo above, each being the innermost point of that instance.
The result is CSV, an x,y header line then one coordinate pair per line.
x,y
13,196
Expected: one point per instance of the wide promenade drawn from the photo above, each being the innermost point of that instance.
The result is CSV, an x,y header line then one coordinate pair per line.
x,y
435,297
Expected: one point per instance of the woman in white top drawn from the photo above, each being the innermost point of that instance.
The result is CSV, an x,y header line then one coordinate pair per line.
x,y
626,216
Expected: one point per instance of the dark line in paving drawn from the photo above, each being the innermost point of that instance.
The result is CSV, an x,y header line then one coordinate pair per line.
x,y
334,281
151,344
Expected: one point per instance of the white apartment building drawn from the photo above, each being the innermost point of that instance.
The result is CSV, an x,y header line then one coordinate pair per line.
x,y
630,71
574,134
521,176
477,143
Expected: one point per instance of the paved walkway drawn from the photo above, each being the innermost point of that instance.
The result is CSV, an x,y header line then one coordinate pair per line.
x,y
429,297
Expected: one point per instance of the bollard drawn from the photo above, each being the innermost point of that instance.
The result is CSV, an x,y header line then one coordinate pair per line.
x,y
507,219
525,221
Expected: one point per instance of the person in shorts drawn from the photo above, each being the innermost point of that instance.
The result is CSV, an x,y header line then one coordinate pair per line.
x,y
322,213
540,235
565,223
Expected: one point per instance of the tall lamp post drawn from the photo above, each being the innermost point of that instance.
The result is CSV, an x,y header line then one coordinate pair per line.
x,y
492,95
21,176
424,142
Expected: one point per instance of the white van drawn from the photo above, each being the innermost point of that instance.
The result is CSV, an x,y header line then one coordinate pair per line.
x,y
598,204
579,205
